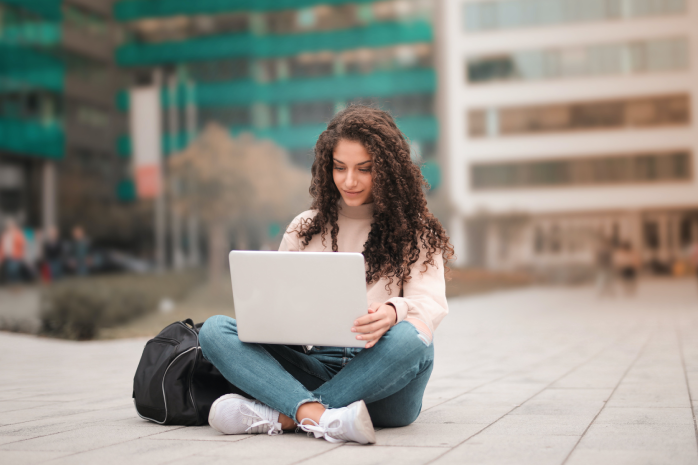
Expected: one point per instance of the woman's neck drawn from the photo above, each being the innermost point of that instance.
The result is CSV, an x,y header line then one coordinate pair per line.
x,y
361,212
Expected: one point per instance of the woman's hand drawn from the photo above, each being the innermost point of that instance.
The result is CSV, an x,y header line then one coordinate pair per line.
x,y
380,318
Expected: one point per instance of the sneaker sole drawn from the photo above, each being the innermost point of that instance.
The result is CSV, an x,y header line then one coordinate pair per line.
x,y
363,423
212,412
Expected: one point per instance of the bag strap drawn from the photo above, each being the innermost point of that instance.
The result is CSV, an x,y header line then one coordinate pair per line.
x,y
189,322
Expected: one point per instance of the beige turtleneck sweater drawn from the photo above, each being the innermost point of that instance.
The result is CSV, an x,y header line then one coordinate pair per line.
x,y
421,300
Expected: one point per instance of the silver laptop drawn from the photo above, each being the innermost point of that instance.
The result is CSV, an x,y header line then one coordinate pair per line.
x,y
306,298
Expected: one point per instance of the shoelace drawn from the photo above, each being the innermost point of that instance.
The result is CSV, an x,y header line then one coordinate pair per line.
x,y
258,426
322,431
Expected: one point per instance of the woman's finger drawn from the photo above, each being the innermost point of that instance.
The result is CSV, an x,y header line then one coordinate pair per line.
x,y
369,328
371,336
369,318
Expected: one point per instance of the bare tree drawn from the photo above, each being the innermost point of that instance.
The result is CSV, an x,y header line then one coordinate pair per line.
x,y
235,185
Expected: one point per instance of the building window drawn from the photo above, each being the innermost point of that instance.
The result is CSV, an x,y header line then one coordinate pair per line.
x,y
605,114
219,70
88,115
401,106
651,234
311,65
593,60
93,72
85,20
626,169
157,30
512,14
311,112
226,116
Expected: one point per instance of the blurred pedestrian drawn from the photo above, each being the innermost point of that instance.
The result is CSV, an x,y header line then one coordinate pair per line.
x,y
627,263
605,274
693,257
53,250
79,252
12,250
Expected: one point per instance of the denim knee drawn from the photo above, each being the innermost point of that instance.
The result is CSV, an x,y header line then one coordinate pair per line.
x,y
396,418
215,329
405,336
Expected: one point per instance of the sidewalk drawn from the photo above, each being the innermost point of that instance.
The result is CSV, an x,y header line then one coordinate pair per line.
x,y
538,375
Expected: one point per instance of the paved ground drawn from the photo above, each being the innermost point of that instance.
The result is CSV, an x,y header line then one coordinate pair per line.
x,y
540,376
19,309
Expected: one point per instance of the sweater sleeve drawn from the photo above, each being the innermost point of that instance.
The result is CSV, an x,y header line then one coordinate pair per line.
x,y
423,296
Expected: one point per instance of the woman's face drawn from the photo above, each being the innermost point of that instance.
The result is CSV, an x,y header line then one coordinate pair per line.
x,y
352,172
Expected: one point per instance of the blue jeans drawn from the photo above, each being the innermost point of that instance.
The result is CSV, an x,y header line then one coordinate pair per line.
x,y
390,377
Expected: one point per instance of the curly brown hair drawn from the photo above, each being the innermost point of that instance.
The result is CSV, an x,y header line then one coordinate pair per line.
x,y
401,220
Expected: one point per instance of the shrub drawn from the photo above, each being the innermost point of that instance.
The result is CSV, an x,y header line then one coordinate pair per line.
x,y
78,308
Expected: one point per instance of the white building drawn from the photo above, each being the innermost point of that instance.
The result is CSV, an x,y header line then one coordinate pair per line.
x,y
567,120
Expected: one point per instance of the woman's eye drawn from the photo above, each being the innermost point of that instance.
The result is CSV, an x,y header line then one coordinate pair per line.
x,y
366,171
338,168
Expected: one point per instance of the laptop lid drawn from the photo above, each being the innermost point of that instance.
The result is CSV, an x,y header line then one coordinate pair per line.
x,y
306,298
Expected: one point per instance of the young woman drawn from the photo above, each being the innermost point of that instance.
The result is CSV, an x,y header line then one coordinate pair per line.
x,y
367,197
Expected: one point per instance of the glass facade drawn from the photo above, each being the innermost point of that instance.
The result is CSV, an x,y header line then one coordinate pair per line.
x,y
322,17
282,69
513,14
589,171
642,56
84,20
31,80
645,112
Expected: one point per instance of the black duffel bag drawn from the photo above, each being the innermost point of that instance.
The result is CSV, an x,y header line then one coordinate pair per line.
x,y
174,383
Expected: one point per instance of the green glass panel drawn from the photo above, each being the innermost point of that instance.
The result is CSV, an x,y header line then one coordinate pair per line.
x,y
31,138
247,45
432,173
126,190
418,128
336,88
127,10
123,146
40,33
49,9
22,67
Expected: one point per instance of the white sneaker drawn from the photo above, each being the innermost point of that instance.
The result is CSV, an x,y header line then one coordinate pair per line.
x,y
235,414
351,423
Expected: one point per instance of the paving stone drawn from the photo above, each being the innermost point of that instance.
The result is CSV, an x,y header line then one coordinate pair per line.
x,y
645,416
553,407
449,413
539,425
139,451
377,455
269,450
574,395
658,397
198,433
15,457
491,449
24,415
13,405
632,457
428,435
78,440
654,437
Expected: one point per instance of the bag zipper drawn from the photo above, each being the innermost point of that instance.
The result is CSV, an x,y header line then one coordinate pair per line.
x,y
167,339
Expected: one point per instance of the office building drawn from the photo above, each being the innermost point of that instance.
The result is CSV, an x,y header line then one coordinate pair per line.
x,y
58,119
280,70
567,122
